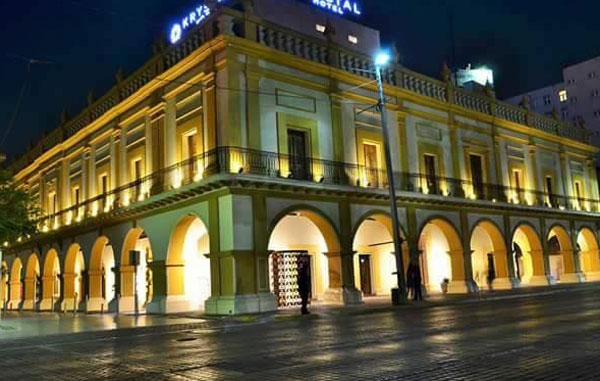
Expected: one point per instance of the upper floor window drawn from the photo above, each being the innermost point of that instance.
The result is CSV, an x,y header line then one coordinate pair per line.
x,y
578,192
431,174
570,81
353,39
52,203
597,113
562,96
320,28
595,93
592,75
547,100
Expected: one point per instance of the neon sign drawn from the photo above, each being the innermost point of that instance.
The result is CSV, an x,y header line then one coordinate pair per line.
x,y
340,7
195,17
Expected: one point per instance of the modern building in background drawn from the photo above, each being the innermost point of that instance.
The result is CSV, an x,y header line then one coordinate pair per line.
x,y
576,99
250,143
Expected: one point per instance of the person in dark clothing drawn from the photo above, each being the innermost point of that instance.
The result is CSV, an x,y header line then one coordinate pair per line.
x,y
304,283
410,280
416,281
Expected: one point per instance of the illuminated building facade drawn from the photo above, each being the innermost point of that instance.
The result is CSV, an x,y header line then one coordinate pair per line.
x,y
251,140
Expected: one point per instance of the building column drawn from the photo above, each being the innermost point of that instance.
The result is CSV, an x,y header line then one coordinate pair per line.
x,y
48,302
29,304
14,302
127,289
462,261
96,302
238,256
572,274
71,298
541,268
503,281
342,285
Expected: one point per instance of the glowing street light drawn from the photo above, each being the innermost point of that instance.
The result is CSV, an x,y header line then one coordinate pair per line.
x,y
381,60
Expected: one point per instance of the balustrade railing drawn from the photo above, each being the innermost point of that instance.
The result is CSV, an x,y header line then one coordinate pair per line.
x,y
232,22
270,166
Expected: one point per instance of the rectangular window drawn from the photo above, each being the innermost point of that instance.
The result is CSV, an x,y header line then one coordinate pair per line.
x,y
103,191
592,75
431,174
298,152
562,96
52,203
353,39
518,185
371,165
477,175
578,193
321,28
189,153
76,200
550,191
547,100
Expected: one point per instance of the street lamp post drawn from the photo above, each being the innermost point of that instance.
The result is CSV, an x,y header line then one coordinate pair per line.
x,y
381,60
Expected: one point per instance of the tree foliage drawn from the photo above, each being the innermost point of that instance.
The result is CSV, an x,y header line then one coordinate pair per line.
x,y
18,210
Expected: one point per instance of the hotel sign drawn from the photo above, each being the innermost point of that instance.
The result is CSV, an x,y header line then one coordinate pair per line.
x,y
340,7
197,15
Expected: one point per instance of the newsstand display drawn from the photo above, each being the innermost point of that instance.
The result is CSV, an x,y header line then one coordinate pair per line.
x,y
284,279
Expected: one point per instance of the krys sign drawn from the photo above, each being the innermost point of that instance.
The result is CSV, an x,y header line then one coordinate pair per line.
x,y
193,18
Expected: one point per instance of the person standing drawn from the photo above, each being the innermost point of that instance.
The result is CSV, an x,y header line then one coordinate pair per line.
x,y
410,280
304,283
416,282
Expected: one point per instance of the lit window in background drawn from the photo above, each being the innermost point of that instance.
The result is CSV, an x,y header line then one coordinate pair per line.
x,y
562,95
321,28
353,39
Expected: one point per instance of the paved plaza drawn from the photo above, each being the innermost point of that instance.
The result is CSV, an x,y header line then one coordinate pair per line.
x,y
552,336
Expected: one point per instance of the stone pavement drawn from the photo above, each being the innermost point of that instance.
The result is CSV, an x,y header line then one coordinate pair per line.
x,y
549,336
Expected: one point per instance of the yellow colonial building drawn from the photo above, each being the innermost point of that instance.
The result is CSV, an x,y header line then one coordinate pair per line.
x,y
249,142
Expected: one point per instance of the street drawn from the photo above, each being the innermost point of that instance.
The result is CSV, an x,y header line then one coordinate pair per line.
x,y
553,336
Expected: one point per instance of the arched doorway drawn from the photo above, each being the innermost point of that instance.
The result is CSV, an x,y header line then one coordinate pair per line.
x,y
4,285
304,235
102,278
442,260
188,266
32,283
374,259
136,274
51,282
490,257
74,278
587,245
562,259
16,285
528,257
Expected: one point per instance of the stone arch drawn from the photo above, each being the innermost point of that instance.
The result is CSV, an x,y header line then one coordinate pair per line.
x,y
528,255
188,266
16,285
101,276
589,254
4,285
442,260
32,283
51,281
374,261
136,281
303,229
562,261
490,255
74,279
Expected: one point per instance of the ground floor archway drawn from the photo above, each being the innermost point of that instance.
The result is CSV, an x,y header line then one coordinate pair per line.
x,y
442,260
490,257
374,261
188,266
75,280
102,277
303,234
562,256
136,274
51,282
528,257
32,294
589,256
16,285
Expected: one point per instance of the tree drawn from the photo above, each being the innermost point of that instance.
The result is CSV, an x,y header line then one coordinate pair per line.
x,y
18,210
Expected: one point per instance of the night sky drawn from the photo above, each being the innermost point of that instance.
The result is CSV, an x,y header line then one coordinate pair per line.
x,y
526,42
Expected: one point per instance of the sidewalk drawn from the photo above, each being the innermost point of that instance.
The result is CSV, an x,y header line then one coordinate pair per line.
x,y
29,325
